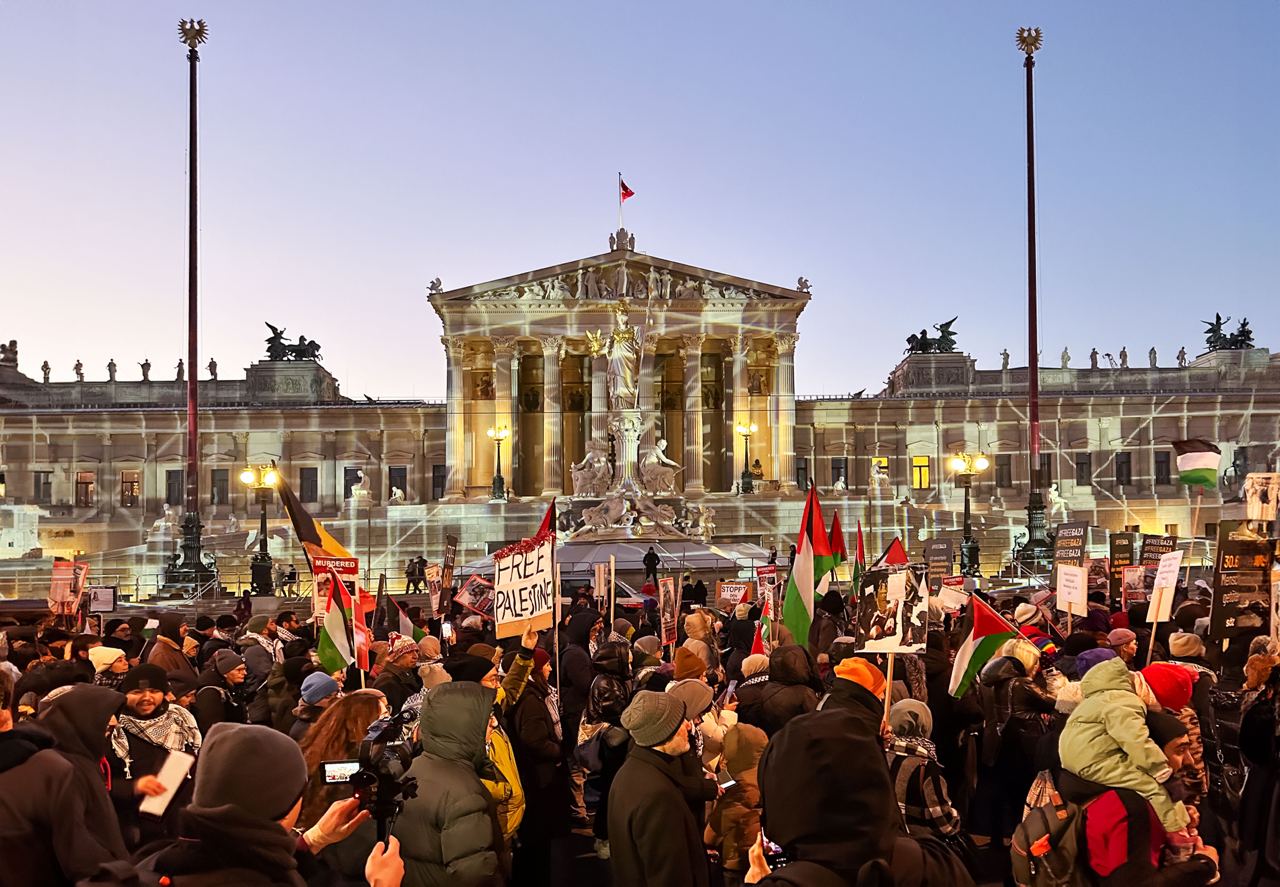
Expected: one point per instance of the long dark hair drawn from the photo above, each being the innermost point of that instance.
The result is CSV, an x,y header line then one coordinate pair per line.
x,y
335,736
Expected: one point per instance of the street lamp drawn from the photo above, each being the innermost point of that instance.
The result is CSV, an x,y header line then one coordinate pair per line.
x,y
746,431
965,466
498,435
262,480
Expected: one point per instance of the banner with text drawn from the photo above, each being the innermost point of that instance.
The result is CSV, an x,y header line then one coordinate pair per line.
x,y
1241,584
1123,554
669,609
736,591
1073,589
524,585
348,570
938,559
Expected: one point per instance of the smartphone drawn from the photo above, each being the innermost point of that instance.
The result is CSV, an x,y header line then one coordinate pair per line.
x,y
773,854
725,779
338,772
446,631
727,696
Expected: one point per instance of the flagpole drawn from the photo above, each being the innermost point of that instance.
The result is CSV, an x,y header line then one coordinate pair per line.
x,y
555,638
888,690
620,204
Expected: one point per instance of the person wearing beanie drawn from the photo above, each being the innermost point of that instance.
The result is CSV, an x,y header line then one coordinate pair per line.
x,y
1089,658
486,651
622,631
859,688
318,691
689,665
205,627
1125,642
221,638
260,648
1075,644
646,651
1173,686
654,838
828,624
167,652
221,697
734,822
182,690
710,724
399,677
917,777
150,728
247,796
109,666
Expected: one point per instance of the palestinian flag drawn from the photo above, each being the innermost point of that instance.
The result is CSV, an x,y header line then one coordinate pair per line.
x,y
895,555
407,628
1198,462
987,634
757,643
623,191
859,561
810,572
334,647
314,538
836,541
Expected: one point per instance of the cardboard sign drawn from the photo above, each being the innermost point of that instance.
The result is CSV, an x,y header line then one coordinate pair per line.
x,y
735,592
952,595
1133,587
450,558
102,598
669,609
476,595
766,581
1241,583
524,586
1123,555
1154,547
893,610
938,558
600,583
348,570
431,574
1073,589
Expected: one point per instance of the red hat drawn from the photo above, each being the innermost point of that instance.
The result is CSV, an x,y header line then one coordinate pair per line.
x,y
1170,683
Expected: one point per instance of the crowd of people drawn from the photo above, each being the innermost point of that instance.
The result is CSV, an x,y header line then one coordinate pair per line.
x,y
708,762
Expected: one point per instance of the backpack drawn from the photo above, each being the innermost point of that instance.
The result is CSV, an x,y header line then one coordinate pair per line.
x,y
1047,846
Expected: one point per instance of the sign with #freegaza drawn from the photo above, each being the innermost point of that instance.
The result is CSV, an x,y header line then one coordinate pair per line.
x,y
524,586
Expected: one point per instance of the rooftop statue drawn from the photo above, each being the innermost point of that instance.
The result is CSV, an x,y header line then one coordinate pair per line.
x,y
943,343
1217,339
279,349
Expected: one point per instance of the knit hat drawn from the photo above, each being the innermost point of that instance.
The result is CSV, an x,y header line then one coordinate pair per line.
x,y
1048,649
225,661
225,622
484,651
145,677
317,687
541,658
688,665
1172,684
653,718
742,611
1025,613
204,623
1185,645
1164,727
755,664
257,625
398,645
180,684
862,672
102,657
699,649
1118,637
695,695
254,768
1089,658
1077,643
911,719
623,627
468,667
649,644
831,603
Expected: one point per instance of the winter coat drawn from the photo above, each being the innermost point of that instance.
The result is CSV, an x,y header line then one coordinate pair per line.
x,y
576,673
282,698
828,623
742,634
304,715
211,646
1260,797
217,701
1016,710
750,695
257,660
505,787
169,656
734,823
653,837
538,756
1106,741
449,834
611,689
145,759
47,832
856,699
698,625
398,684
790,689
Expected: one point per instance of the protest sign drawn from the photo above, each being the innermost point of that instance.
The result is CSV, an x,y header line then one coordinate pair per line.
x,y
893,610
432,574
766,581
347,569
1155,546
735,591
1122,555
476,595
669,609
524,585
102,598
600,584
1133,588
66,585
952,595
1073,590
1241,583
450,558
938,558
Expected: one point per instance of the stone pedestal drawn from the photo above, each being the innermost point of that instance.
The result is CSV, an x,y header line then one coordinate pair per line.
x,y
290,381
626,426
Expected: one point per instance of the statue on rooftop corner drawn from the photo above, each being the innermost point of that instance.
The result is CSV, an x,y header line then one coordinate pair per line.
x,y
1004,359
9,354
46,370
435,287
213,369
79,371
803,285
1066,358
943,343
181,372
111,370
1151,357
1093,359
1182,357
146,369
276,348
1124,357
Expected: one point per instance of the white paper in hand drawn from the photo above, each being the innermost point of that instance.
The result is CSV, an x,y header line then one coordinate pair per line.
x,y
171,774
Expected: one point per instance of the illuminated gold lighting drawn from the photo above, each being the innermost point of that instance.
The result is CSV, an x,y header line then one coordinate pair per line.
x,y
1030,40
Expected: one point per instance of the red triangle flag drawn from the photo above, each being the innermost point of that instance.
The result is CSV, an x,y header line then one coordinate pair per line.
x,y
757,643
862,554
894,555
623,191
813,527
837,539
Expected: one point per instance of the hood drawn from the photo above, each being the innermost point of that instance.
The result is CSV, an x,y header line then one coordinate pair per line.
x,y
1110,675
742,634
613,659
77,719
578,631
831,603
454,718
171,626
698,625
790,664
1001,669
20,743
743,746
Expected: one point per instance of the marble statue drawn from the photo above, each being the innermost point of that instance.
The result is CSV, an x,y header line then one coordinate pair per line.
x,y
1093,359
686,289
1151,358
213,369
802,285
181,371
558,289
397,496
1004,360
46,370
591,475
360,491
111,370
709,290
879,476
1182,357
1066,358
9,354
701,522
613,513
654,283
1124,357
78,369
592,284
663,516
657,472
623,352
435,287
666,283
146,369
233,523
1057,504
840,486
167,522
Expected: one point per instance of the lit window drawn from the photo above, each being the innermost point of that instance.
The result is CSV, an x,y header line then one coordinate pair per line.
x,y
919,472
130,488
86,486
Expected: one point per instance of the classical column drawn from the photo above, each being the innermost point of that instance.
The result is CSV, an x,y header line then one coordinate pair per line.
x,y
693,484
785,410
503,349
454,430
108,485
377,464
737,346
330,475
152,481
286,466
600,398
650,407
552,451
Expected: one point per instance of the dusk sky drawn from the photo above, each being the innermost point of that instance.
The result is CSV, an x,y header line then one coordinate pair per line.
x,y
350,152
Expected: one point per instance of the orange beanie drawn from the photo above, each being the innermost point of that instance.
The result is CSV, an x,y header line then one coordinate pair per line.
x,y
860,671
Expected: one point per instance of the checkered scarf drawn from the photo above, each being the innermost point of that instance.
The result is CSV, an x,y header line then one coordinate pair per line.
x,y
172,728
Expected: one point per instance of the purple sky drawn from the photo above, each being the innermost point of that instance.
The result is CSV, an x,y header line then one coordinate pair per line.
x,y
352,152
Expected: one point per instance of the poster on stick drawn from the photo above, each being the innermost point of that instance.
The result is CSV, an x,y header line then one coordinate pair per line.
x,y
1073,589
1241,583
1123,555
768,582
1166,582
735,591
102,598
1154,547
1133,587
450,558
669,609
952,595
938,558
476,595
348,570
893,610
524,585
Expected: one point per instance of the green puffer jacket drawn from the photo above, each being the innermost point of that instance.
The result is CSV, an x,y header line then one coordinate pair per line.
x,y
449,835
1106,741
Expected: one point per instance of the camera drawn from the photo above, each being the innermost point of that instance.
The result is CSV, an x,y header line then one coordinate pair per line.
x,y
380,782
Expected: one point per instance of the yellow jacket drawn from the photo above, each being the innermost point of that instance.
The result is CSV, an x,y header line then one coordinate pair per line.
x,y
506,789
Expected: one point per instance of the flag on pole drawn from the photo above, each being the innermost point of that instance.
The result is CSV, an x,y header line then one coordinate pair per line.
x,y
987,634
334,646
1198,462
623,191
809,572
360,635
757,643
406,626
839,552
859,560
895,555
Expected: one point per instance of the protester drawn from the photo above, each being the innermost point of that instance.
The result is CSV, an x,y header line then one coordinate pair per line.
x,y
1125,644
537,741
608,698
109,665
917,779
167,650
1173,685
750,691
859,688
283,690
828,624
790,690
576,677
261,648
220,697
734,822
399,679
319,691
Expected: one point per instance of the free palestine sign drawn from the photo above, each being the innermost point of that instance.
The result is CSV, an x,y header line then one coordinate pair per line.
x,y
524,586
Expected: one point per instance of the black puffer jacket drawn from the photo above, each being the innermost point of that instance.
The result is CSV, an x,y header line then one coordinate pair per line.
x,y
750,694
791,688
611,690
576,673
217,701
1015,709
742,634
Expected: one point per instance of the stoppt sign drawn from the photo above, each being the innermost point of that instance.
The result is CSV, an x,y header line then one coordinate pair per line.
x,y
523,586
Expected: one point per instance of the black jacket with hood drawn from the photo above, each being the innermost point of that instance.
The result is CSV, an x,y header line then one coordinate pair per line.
x,y
653,837
576,672
742,634
791,689
611,689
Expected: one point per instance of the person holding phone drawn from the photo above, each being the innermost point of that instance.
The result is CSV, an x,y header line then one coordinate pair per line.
x,y
734,823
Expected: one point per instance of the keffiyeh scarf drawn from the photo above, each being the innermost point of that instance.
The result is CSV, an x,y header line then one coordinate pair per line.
x,y
172,728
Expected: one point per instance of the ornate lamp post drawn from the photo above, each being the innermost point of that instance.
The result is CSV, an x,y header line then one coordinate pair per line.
x,y
498,435
746,431
1037,546
965,466
262,480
